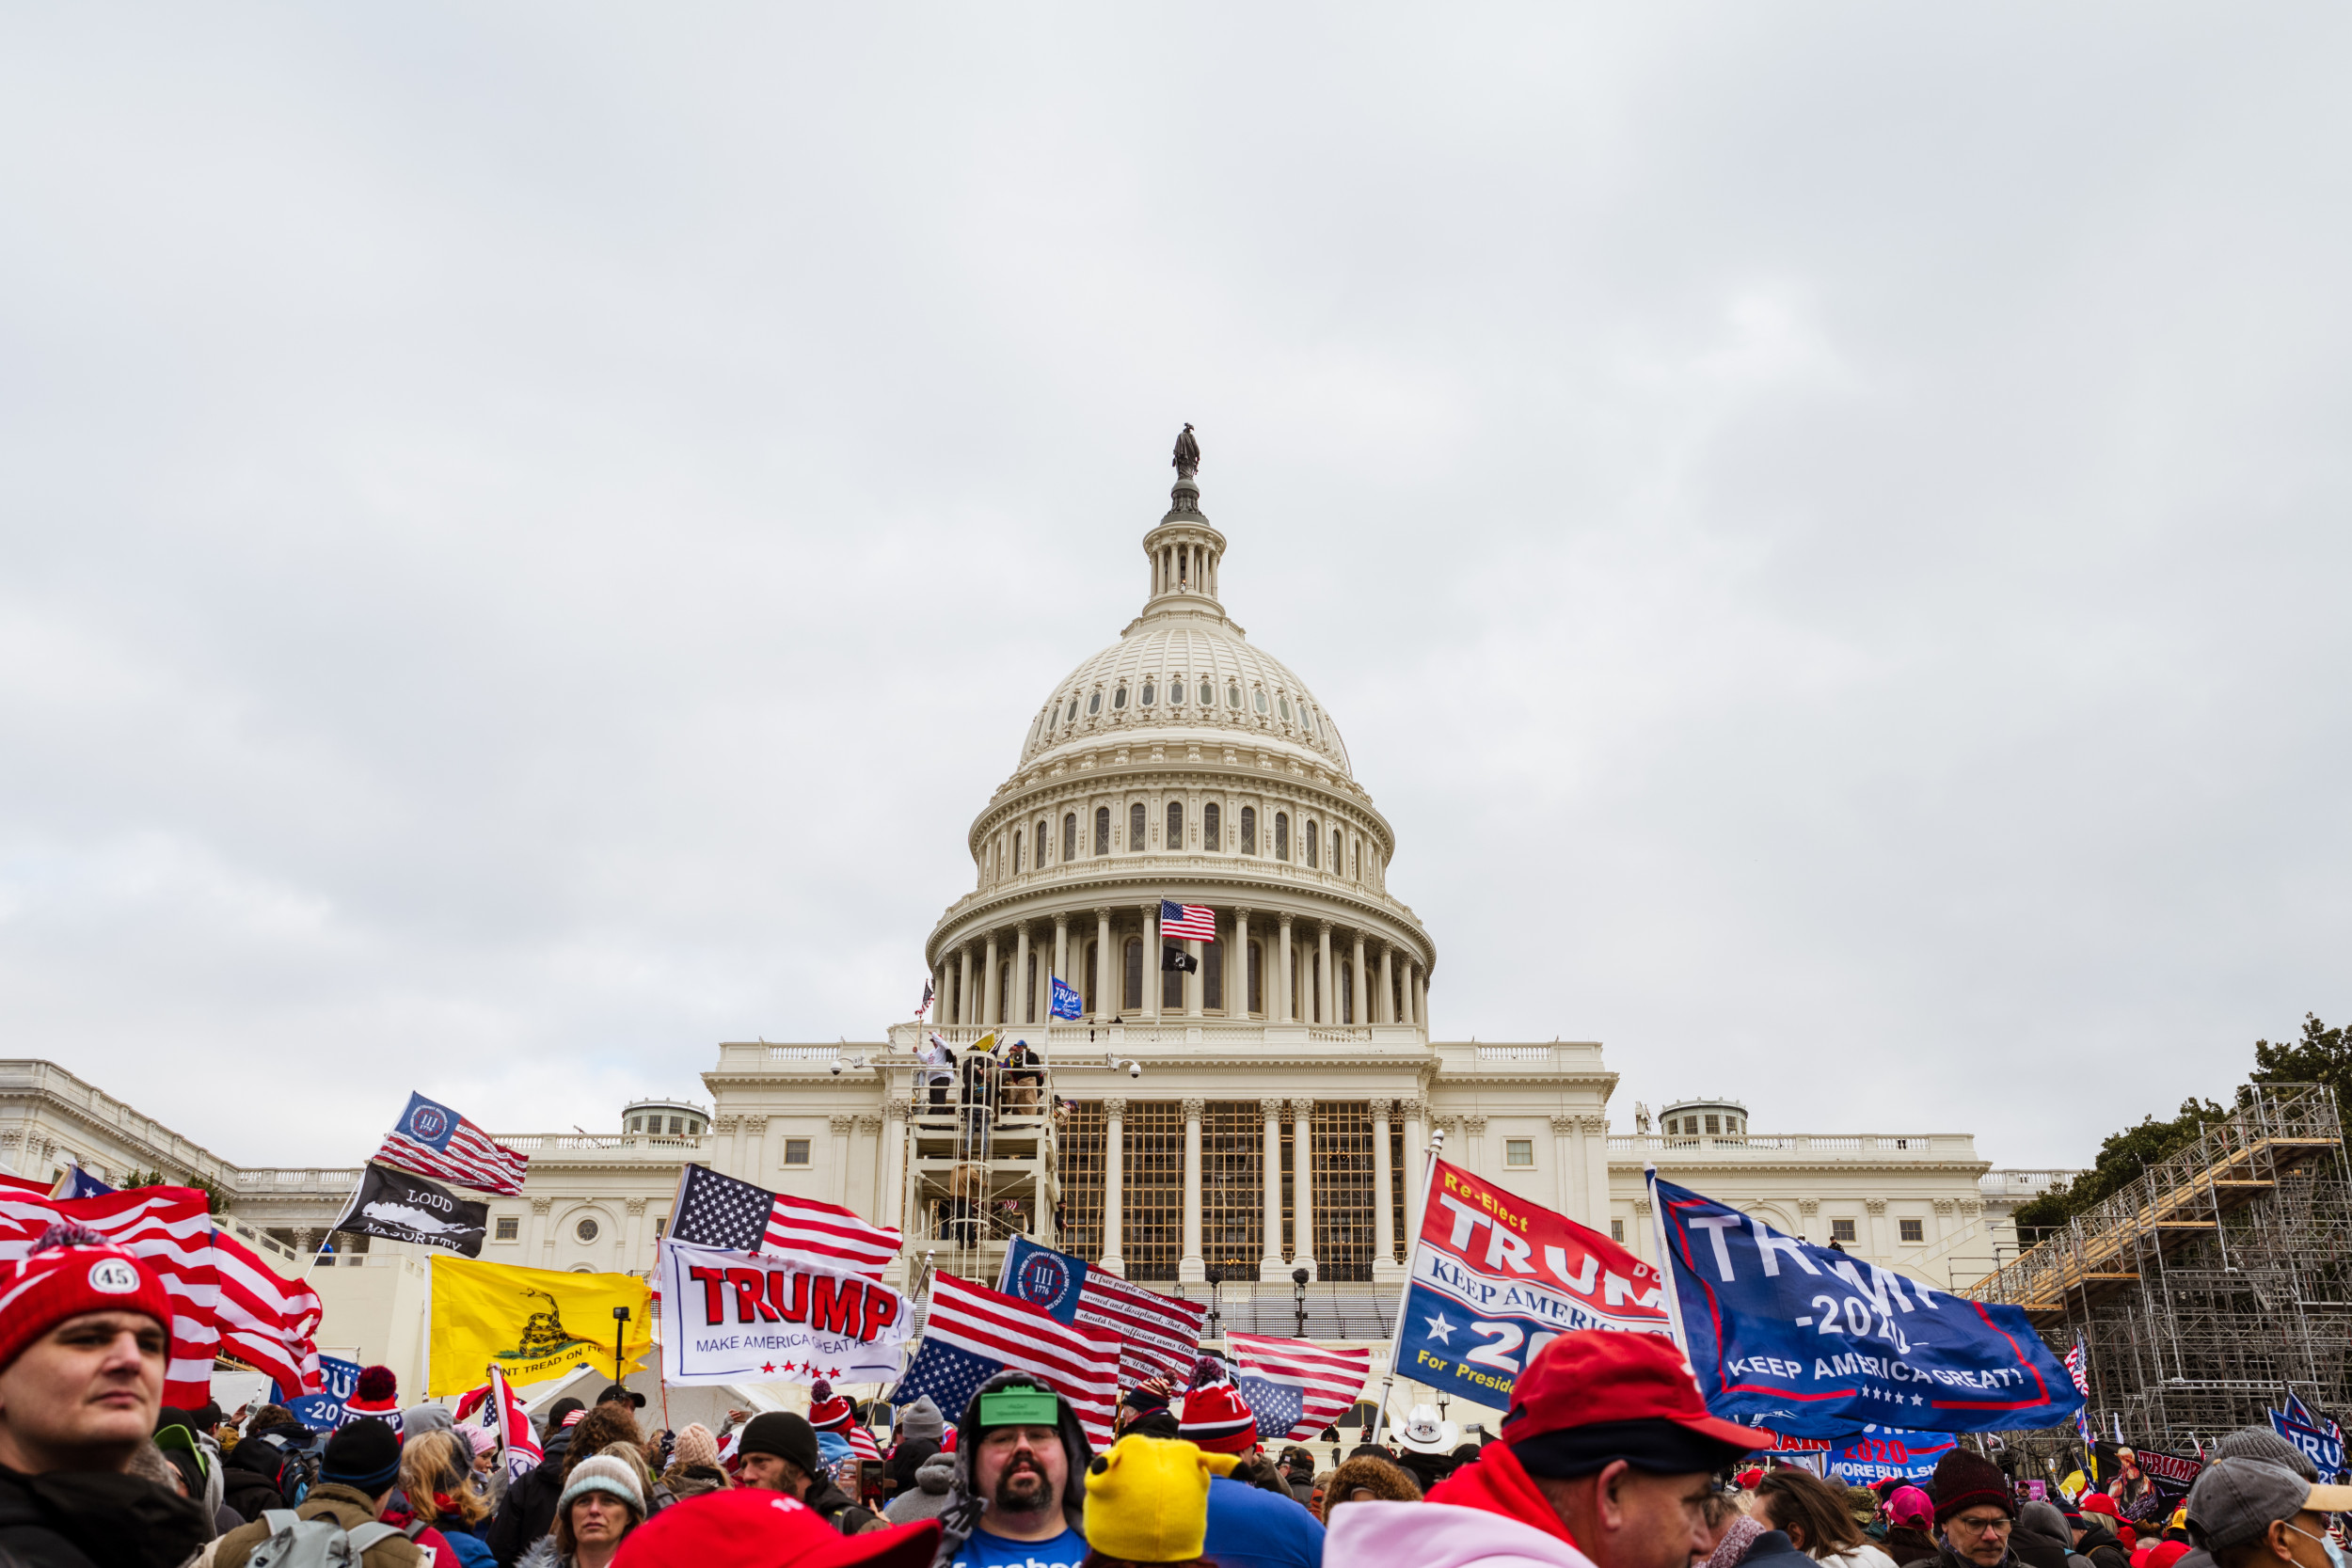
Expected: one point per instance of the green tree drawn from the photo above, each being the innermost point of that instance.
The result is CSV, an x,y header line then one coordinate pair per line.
x,y
2323,1055
2121,1160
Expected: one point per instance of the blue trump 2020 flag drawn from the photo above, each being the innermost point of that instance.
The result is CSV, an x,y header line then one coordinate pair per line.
x,y
1808,1341
1067,1002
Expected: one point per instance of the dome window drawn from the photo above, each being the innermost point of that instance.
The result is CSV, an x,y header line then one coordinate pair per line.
x,y
1151,692
1286,710
1233,696
1119,698
1176,691
1248,829
1094,705
1261,702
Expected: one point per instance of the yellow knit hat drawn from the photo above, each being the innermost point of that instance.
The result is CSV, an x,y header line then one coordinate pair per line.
x,y
1148,1499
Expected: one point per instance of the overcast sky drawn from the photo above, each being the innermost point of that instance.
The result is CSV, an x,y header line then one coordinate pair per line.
x,y
527,533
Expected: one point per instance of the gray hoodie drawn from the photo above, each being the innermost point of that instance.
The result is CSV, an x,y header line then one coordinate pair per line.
x,y
929,1497
923,1422
2044,1520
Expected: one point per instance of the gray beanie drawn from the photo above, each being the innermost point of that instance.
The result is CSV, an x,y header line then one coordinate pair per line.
x,y
420,1418
923,1422
2267,1446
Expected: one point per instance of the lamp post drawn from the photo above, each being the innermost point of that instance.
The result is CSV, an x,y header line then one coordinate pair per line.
x,y
1217,1324
1299,1299
620,1327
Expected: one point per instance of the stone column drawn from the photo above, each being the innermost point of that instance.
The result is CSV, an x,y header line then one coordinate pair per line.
x,y
865,1159
1114,1184
1153,984
1327,1014
758,1159
1022,1014
1567,1174
1383,1215
1270,1172
1238,969
1416,1163
1061,961
1945,1210
1880,1251
1283,990
540,1246
892,1210
626,1253
991,995
1191,1266
1387,1013
1592,1147
1642,1241
1303,1185
840,1175
1474,1143
1421,996
940,989
1359,985
965,1008
1105,998
1808,1214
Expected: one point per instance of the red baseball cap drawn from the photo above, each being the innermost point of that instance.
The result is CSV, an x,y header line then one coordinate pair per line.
x,y
750,1528
2099,1503
1599,1395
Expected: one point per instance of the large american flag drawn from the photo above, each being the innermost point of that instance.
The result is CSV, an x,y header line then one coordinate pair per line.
x,y
973,1333
720,1211
225,1301
430,1139
1188,922
1159,1335
1295,1387
2078,1367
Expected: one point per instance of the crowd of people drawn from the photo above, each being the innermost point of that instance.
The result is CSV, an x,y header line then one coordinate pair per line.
x,y
1606,1458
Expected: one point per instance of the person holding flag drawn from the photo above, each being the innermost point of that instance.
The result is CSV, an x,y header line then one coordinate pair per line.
x,y
1605,1461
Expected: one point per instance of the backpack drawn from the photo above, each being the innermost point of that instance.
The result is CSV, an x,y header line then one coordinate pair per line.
x,y
297,1543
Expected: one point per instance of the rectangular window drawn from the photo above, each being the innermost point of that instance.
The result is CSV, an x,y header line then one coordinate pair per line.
x,y
1102,829
1135,829
1131,993
1248,829
1256,958
1616,1231
661,1226
1233,1195
1714,1125
1153,1187
1070,836
1281,835
1175,825
510,1226
1212,975
1172,991
1211,829
1913,1231
1078,1152
1519,1151
796,1151
1841,1230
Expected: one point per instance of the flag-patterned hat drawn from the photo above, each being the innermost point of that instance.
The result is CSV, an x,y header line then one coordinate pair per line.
x,y
1215,1419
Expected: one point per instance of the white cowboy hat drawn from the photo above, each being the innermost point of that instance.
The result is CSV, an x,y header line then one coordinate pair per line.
x,y
1424,1432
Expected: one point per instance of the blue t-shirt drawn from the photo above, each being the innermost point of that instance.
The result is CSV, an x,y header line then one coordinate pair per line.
x,y
1254,1529
983,1550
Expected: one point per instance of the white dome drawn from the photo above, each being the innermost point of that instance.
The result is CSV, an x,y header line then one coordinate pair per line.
x,y
1200,675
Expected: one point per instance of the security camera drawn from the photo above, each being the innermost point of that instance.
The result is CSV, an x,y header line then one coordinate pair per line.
x,y
1134,1070
837,1067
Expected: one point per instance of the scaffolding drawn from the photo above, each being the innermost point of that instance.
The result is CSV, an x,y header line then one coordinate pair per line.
x,y
2214,1285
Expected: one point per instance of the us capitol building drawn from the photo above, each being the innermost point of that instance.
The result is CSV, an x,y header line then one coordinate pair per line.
x,y
1247,1130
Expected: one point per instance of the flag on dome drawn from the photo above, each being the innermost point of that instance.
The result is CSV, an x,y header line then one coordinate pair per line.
x,y
716,1210
925,1006
430,1139
1067,1002
1188,922
1295,1387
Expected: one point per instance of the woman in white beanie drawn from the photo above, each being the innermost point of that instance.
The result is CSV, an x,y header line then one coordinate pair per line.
x,y
602,1501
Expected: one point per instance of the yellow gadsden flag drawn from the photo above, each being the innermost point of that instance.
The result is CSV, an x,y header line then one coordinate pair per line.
x,y
531,1324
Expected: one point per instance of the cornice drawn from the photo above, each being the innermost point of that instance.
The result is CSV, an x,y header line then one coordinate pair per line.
x,y
1744,1163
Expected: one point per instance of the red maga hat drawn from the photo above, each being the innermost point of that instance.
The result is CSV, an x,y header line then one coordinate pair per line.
x,y
750,1528
1598,1395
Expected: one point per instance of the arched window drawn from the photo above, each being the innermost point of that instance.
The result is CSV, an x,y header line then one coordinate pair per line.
x,y
1131,994
1256,959
1003,991
1176,691
1039,861
1031,992
1151,692
1336,860
1212,975
1261,702
1347,991
1094,704
1135,829
1119,698
1314,847
1248,829
1313,972
1018,844
1070,835
1286,710
1356,860
1233,694
1281,835
1175,825
1102,829
1212,828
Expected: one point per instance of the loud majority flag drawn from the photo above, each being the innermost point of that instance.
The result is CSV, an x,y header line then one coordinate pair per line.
x,y
529,1324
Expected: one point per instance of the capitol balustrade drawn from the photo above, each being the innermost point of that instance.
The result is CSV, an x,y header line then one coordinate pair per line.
x,y
1071,1043
1864,1148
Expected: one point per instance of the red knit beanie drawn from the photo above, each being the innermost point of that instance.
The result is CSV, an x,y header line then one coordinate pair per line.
x,y
1215,1419
827,1412
1964,1481
69,1271
377,1394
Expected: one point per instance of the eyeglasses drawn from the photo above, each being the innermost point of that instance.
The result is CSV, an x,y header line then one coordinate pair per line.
x,y
2000,1524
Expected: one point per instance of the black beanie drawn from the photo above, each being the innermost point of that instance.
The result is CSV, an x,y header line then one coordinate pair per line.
x,y
364,1456
1964,1481
786,1435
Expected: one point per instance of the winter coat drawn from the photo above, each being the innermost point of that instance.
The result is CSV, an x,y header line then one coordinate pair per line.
x,y
529,1510
249,1478
837,1508
918,1440
927,1497
1907,1546
1867,1555
1773,1549
1490,1514
2101,1544
471,1550
79,1518
2043,1538
348,1507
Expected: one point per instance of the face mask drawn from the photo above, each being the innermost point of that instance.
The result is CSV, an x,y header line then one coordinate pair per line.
x,y
2326,1544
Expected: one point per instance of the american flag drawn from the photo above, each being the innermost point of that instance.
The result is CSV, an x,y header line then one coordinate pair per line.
x,y
716,1210
1295,1387
2077,1369
1188,922
257,1316
1159,1335
863,1445
516,1432
973,1333
430,1139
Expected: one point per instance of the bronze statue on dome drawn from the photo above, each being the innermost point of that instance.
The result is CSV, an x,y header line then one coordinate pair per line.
x,y
1188,454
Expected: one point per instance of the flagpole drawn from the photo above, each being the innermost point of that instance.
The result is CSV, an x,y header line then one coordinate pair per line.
x,y
1396,1329
1665,1259
318,1252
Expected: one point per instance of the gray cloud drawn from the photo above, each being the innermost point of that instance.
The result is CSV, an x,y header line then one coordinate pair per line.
x,y
527,536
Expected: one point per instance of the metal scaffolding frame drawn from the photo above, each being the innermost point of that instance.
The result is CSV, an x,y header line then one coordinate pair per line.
x,y
2212,1286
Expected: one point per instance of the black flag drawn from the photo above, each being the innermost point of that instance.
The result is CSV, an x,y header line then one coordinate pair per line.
x,y
403,1207
1175,960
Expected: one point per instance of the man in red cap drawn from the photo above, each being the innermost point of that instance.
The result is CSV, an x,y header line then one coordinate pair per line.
x,y
85,1327
1603,1462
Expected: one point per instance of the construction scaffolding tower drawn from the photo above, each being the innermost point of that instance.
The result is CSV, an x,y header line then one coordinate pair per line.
x,y
981,1155
2214,1285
